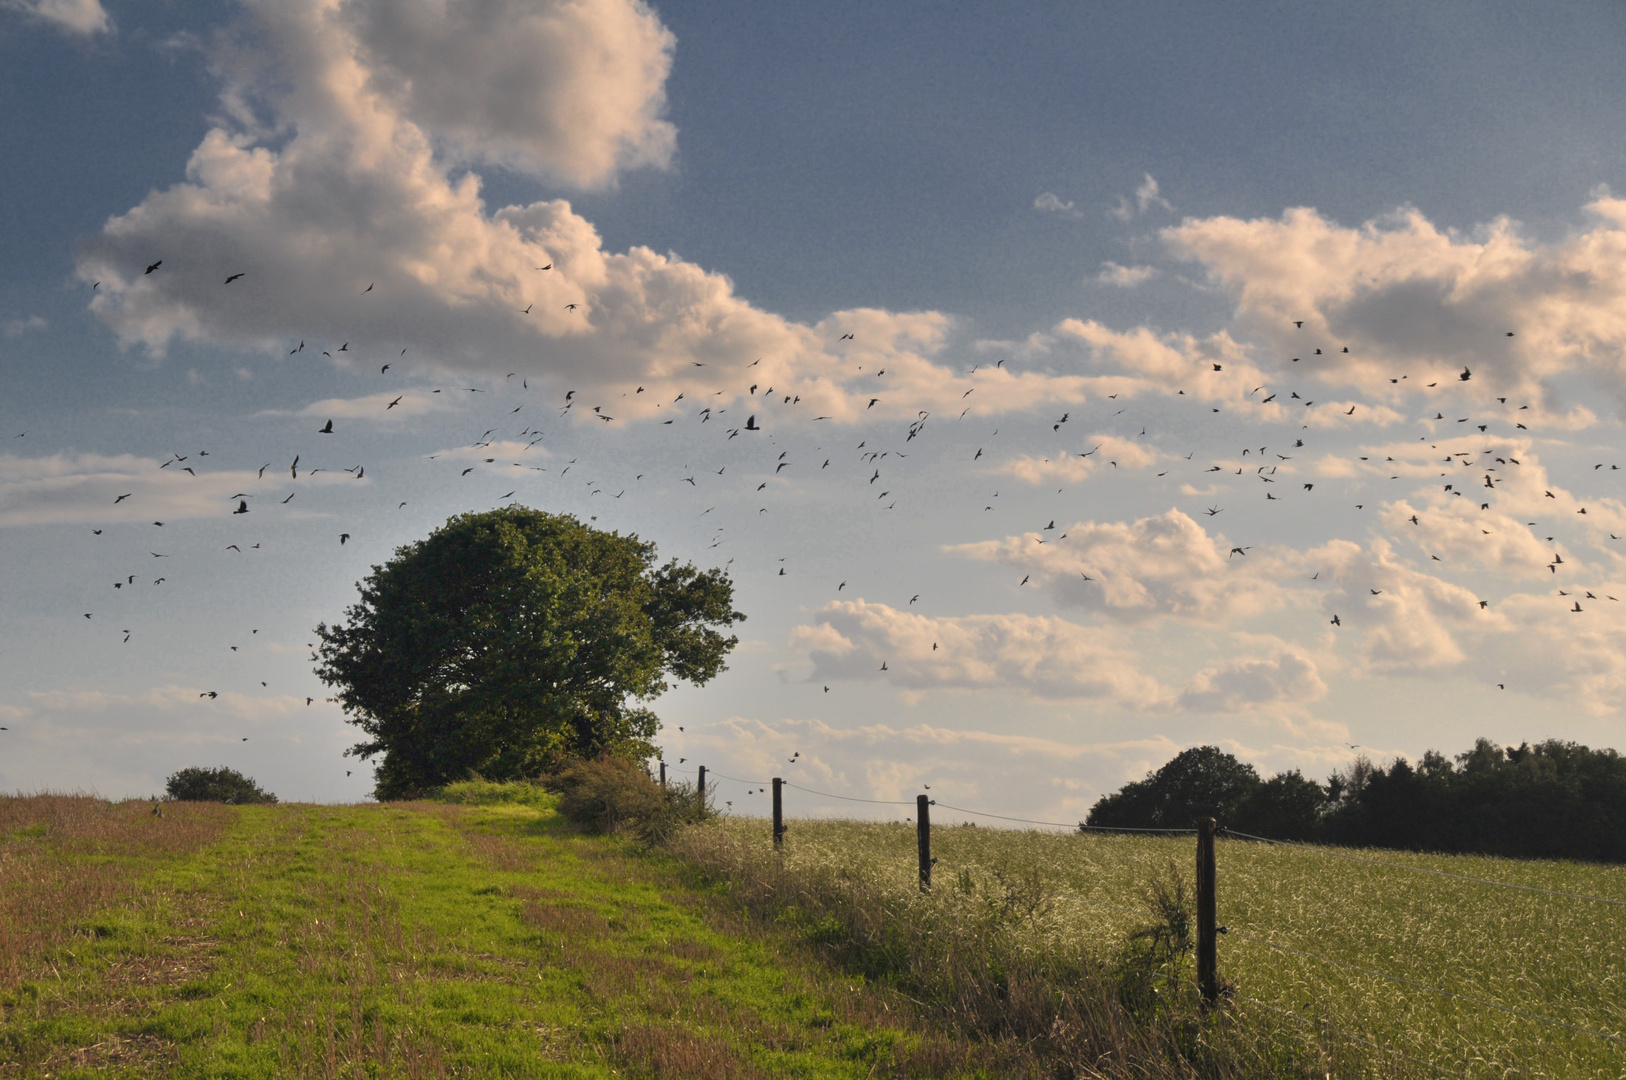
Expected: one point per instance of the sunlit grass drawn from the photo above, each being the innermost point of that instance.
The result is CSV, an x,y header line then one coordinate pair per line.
x,y
1556,957
418,940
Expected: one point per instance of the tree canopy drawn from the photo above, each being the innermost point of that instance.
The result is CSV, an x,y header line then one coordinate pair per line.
x,y
1551,800
512,640
223,785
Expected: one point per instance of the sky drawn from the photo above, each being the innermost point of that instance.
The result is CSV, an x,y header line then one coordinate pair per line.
x,y
1060,389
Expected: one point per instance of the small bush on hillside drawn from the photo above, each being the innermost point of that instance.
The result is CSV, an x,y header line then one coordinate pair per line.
x,y
613,794
494,793
220,785
1155,963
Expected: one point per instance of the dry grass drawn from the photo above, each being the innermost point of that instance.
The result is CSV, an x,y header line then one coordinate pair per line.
x,y
63,857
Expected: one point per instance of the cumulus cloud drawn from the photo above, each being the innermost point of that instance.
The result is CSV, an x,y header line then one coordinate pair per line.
x,y
1046,657
346,224
67,488
1154,567
71,16
1286,678
575,90
1406,297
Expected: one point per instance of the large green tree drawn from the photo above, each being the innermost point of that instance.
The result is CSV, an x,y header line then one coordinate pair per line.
x,y
512,640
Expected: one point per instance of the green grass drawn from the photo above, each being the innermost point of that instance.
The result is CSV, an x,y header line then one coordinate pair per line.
x,y
477,939
1553,956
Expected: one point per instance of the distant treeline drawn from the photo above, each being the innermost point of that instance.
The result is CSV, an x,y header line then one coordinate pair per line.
x,y
1552,800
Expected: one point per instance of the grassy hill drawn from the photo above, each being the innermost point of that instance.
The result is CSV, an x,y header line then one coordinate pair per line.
x,y
484,938
411,940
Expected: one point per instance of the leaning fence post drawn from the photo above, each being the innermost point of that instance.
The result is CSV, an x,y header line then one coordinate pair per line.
x,y
1207,952
700,790
923,834
663,774
778,813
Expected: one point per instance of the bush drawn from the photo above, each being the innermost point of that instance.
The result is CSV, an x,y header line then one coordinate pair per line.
x,y
496,793
220,785
614,794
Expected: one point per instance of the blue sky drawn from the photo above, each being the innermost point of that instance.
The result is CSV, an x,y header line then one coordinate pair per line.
x,y
1114,217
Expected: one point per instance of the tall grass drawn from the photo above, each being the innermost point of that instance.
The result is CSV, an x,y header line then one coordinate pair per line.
x,y
1551,956
63,857
991,952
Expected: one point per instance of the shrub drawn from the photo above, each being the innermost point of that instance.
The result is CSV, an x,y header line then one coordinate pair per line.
x,y
220,785
614,794
479,792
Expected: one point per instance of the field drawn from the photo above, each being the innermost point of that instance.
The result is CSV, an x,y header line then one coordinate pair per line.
x,y
411,940
1556,957
486,939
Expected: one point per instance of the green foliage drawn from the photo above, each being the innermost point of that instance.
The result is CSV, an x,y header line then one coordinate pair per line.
x,y
1201,782
510,641
1154,966
495,793
220,785
613,794
1554,800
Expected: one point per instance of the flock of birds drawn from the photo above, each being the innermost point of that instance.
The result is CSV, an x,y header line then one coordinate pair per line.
x,y
760,458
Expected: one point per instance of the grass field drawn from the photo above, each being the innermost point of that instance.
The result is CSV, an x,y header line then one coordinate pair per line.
x,y
1555,957
412,940
485,939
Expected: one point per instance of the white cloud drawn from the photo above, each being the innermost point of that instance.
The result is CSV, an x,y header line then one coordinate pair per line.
x,y
571,88
85,488
1107,452
1046,657
348,226
19,327
73,16
1284,679
1125,277
1053,204
1408,298
1133,571
379,407
1147,195
1046,778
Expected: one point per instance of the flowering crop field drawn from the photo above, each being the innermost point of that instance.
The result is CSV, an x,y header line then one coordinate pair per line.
x,y
1317,937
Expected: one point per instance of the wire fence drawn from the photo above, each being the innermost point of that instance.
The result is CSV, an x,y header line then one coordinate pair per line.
x,y
1250,939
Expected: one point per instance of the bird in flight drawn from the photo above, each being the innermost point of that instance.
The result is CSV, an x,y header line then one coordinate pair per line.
x,y
233,278
325,429
342,538
151,268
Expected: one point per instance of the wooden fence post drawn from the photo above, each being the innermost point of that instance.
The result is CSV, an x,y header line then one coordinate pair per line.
x,y
778,813
923,835
700,790
1207,919
663,775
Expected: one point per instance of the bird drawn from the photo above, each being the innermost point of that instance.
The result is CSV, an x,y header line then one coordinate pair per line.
x,y
233,278
325,429
368,289
393,404
242,507
342,538
151,268
121,498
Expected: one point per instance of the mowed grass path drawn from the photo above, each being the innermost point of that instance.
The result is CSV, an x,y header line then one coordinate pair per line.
x,y
413,940
1553,956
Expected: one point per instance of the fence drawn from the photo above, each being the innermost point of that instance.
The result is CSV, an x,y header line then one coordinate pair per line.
x,y
1206,833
